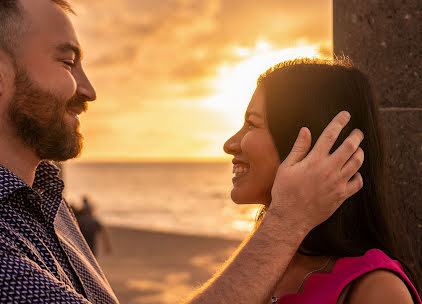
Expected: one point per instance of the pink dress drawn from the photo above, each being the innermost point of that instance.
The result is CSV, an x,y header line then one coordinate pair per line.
x,y
325,288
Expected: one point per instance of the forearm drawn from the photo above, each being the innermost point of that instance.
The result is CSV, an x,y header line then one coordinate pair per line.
x,y
251,274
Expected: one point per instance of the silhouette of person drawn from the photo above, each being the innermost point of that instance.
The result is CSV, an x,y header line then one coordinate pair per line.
x,y
91,227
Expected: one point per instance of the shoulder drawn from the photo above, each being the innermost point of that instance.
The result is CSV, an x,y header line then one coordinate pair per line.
x,y
379,286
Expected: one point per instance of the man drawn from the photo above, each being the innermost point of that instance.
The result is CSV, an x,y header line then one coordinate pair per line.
x,y
43,257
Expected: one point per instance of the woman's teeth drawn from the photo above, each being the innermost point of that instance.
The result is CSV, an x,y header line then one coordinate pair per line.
x,y
240,170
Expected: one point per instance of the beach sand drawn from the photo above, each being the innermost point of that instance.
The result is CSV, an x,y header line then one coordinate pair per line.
x,y
159,268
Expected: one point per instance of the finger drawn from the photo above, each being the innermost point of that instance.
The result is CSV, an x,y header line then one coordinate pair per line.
x,y
354,185
300,148
353,164
330,134
349,146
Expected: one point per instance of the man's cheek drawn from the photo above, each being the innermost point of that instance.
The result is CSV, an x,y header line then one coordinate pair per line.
x,y
57,80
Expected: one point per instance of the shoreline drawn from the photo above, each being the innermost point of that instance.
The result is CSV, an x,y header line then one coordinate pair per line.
x,y
153,267
176,233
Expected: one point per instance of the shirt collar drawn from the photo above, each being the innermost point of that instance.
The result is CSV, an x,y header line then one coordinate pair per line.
x,y
46,184
47,179
9,183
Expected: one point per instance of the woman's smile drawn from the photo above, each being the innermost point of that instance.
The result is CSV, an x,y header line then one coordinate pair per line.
x,y
256,159
240,169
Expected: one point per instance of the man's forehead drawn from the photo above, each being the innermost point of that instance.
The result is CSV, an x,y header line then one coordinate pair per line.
x,y
50,25
39,6
46,15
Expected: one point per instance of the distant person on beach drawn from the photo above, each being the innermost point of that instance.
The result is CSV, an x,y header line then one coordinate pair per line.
x,y
43,257
359,254
91,227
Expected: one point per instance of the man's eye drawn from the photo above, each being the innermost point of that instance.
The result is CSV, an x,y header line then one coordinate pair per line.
x,y
69,63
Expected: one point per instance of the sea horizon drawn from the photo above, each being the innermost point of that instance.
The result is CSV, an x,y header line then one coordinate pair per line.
x,y
191,198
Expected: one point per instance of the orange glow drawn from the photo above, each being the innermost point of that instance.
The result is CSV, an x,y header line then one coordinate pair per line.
x,y
236,83
173,82
210,120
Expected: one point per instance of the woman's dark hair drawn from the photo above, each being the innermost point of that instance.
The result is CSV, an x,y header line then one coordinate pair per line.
x,y
310,92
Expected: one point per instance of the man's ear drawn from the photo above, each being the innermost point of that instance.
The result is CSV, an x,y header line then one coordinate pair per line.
x,y
7,74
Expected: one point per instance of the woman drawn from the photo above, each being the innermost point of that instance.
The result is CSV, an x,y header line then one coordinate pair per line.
x,y
350,257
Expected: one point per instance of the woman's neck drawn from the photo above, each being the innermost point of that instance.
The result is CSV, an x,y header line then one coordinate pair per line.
x,y
299,267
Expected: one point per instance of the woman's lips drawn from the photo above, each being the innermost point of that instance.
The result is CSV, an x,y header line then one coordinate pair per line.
x,y
240,170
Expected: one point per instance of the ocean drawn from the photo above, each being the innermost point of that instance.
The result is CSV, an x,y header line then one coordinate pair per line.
x,y
187,198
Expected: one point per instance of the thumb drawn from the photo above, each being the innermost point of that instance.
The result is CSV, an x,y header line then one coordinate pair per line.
x,y
300,148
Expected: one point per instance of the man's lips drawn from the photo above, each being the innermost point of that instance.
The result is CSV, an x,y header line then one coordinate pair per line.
x,y
77,109
77,104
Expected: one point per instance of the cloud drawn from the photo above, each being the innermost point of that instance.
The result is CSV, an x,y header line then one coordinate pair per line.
x,y
149,53
188,38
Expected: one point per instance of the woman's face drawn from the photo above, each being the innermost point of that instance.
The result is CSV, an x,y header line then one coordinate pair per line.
x,y
256,159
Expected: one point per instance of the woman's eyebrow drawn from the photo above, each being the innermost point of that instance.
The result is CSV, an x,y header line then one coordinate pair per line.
x,y
250,113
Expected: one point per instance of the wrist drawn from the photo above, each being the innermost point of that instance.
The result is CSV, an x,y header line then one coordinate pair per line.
x,y
279,218
280,229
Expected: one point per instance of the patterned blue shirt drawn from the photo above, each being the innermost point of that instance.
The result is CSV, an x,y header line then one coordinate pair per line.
x,y
43,256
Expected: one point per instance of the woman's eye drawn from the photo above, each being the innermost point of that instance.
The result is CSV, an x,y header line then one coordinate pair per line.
x,y
250,125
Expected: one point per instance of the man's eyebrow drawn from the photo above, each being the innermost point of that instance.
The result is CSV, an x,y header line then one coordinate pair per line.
x,y
67,46
250,113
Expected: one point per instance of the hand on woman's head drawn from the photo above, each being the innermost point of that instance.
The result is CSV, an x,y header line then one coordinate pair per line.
x,y
309,187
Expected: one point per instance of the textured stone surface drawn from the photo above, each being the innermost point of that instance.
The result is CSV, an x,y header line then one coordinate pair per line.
x,y
404,144
384,38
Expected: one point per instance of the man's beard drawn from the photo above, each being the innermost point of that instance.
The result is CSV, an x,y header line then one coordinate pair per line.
x,y
38,116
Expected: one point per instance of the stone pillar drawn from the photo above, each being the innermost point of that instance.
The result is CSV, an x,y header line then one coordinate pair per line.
x,y
384,39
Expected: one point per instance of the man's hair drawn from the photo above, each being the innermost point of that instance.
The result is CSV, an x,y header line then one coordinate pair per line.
x,y
12,22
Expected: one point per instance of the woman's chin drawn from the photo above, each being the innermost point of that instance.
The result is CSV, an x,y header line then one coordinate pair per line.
x,y
240,197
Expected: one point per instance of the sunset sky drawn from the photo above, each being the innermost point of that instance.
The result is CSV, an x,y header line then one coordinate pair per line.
x,y
173,77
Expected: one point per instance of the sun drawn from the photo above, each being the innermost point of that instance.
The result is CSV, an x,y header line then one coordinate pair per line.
x,y
236,83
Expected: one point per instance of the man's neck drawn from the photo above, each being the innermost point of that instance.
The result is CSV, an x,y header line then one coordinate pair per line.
x,y
18,158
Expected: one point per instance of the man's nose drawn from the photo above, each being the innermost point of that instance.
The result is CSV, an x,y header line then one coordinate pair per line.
x,y
85,88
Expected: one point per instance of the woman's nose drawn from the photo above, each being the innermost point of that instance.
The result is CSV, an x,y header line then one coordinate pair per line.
x,y
232,145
